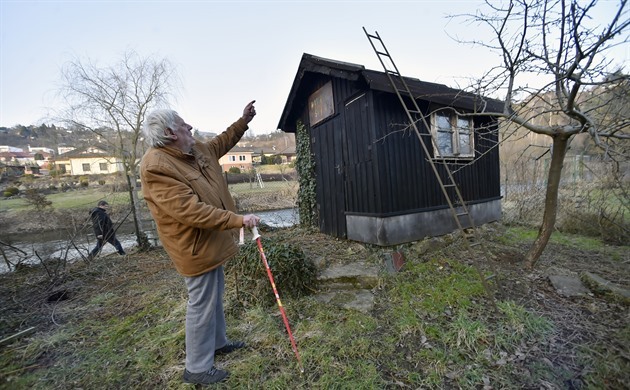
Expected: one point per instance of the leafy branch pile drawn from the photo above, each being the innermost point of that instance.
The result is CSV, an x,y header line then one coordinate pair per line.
x,y
295,275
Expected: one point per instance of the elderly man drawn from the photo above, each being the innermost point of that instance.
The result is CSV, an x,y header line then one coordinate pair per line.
x,y
196,219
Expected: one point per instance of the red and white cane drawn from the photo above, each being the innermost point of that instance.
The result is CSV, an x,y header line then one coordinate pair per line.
x,y
275,291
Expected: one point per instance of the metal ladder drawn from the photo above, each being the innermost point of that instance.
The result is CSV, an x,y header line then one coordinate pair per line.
x,y
400,89
458,208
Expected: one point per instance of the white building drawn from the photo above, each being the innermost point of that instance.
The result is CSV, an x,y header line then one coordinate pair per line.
x,y
88,161
12,149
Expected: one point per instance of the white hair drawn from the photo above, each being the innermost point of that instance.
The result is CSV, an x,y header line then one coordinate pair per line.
x,y
155,125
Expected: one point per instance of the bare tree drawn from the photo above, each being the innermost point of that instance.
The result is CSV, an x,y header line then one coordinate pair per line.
x,y
118,97
561,47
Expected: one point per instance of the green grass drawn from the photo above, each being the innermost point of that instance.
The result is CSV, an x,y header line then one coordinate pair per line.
x,y
433,328
269,187
608,198
607,361
274,168
516,234
520,234
69,200
439,303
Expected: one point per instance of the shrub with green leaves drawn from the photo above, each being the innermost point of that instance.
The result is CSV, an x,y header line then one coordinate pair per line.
x,y
295,275
11,191
36,199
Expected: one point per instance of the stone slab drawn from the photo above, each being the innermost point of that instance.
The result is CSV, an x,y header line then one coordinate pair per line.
x,y
568,286
607,285
358,274
361,300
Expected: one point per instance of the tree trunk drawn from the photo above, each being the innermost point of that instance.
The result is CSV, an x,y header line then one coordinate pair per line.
x,y
558,152
141,237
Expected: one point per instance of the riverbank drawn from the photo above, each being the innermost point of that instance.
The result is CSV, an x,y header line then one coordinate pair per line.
x,y
70,210
34,239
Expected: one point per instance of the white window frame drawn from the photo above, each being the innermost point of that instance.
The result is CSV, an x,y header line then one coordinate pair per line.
x,y
456,132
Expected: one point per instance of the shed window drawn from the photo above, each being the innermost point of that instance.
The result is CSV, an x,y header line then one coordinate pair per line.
x,y
453,135
86,167
321,104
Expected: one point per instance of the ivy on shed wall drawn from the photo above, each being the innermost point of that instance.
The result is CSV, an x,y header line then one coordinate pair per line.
x,y
305,166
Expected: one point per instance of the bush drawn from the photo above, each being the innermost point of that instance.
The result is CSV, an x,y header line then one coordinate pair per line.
x,y
11,191
234,170
84,181
36,199
293,273
101,182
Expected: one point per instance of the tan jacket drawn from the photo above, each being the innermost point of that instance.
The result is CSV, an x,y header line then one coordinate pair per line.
x,y
191,204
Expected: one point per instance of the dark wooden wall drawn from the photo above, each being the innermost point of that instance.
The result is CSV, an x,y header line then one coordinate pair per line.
x,y
362,182
368,162
328,143
408,182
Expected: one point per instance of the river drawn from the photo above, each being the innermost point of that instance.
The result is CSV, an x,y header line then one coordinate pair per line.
x,y
56,244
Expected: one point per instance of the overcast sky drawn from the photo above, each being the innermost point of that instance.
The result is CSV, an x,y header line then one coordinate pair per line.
x,y
227,53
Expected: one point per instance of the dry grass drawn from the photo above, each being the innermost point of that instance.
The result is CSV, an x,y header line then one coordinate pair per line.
x,y
121,325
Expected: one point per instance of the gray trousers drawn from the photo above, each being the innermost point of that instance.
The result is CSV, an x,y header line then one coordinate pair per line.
x,y
205,320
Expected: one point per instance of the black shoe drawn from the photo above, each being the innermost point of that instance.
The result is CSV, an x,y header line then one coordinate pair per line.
x,y
231,346
213,375
122,253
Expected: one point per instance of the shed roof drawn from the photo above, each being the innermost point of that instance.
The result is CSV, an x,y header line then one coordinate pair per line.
x,y
375,80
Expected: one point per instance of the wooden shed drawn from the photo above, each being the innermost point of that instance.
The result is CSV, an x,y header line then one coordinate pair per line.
x,y
374,183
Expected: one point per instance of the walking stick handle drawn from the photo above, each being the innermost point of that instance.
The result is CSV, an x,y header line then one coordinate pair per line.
x,y
241,239
255,233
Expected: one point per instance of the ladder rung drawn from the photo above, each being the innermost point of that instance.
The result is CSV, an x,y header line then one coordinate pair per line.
x,y
401,89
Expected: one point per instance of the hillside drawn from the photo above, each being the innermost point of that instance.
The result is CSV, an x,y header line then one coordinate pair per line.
x,y
53,137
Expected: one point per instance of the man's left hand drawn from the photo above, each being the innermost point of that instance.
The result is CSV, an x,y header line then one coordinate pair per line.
x,y
249,112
